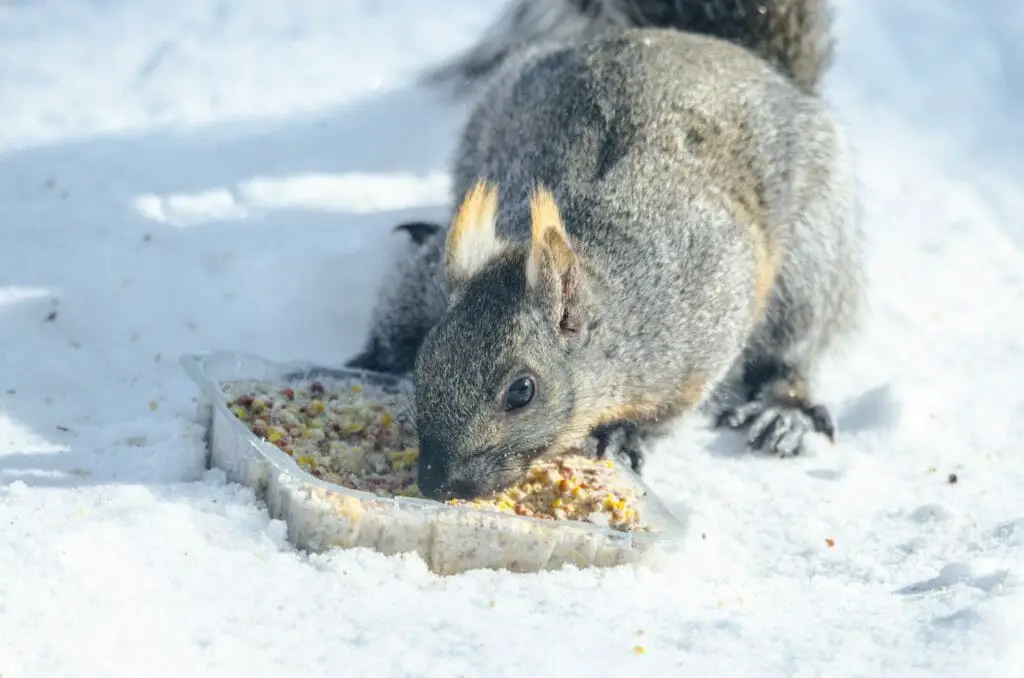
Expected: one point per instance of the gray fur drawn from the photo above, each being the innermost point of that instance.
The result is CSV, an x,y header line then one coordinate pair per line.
x,y
792,35
411,302
662,149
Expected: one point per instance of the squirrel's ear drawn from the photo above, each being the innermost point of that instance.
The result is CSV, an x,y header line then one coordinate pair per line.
x,y
472,240
552,267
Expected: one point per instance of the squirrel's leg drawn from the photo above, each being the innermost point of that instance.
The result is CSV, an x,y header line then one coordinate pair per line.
x,y
771,380
816,300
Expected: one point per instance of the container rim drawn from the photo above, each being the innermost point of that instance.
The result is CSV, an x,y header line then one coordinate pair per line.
x,y
667,528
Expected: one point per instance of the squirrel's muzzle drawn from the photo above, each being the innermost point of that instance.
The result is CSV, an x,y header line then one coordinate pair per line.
x,y
440,479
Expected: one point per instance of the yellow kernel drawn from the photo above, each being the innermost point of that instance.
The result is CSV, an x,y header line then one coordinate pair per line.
x,y
639,649
386,419
274,434
556,503
240,412
315,407
356,388
307,461
577,492
609,464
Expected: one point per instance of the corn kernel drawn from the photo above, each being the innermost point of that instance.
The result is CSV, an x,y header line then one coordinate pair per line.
x,y
240,412
386,419
306,460
315,407
556,503
639,649
274,434
356,388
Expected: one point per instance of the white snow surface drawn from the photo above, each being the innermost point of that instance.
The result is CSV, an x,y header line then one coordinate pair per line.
x,y
191,175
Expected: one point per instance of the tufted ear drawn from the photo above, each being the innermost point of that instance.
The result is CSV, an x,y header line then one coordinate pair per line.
x,y
553,270
472,240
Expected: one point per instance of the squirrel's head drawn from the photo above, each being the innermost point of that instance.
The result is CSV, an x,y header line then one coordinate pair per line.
x,y
493,384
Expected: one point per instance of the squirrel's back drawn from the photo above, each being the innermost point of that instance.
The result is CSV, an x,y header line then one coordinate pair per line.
x,y
640,122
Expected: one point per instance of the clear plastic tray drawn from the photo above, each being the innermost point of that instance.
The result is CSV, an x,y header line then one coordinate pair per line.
x,y
450,539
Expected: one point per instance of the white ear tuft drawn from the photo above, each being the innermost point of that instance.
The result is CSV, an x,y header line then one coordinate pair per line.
x,y
473,240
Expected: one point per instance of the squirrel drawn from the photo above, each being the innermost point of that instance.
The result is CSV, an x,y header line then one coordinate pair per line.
x,y
654,213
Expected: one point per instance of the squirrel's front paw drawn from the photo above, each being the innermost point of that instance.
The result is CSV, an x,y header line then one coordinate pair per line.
x,y
622,440
778,424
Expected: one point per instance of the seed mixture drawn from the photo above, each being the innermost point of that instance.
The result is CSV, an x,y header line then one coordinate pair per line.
x,y
348,438
572,487
342,438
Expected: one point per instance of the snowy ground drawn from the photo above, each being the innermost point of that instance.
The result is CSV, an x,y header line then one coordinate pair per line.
x,y
192,175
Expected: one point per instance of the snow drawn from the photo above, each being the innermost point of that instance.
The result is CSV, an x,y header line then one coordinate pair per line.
x,y
193,175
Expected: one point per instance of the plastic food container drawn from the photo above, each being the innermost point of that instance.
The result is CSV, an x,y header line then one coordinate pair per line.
x,y
450,539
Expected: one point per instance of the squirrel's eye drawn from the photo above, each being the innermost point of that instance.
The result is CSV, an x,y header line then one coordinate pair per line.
x,y
520,393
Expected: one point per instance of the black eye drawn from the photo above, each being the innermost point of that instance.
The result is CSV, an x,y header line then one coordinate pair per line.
x,y
520,393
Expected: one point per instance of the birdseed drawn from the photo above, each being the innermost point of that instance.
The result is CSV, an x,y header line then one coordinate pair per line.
x,y
348,438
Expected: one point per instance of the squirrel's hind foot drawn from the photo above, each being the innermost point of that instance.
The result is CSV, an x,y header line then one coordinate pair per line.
x,y
777,420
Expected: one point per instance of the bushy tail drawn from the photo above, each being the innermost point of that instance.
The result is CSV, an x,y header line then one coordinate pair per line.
x,y
793,35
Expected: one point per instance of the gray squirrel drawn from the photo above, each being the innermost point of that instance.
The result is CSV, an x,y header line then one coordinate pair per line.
x,y
653,214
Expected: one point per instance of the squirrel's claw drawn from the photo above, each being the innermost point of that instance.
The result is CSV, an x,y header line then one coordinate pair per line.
x,y
779,427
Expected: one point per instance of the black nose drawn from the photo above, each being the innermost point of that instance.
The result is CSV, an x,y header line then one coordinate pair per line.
x,y
465,489
451,488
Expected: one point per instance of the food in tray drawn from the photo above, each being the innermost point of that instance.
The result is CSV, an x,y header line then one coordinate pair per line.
x,y
350,437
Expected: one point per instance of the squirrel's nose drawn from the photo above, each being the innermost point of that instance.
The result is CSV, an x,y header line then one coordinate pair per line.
x,y
441,486
453,489
465,489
